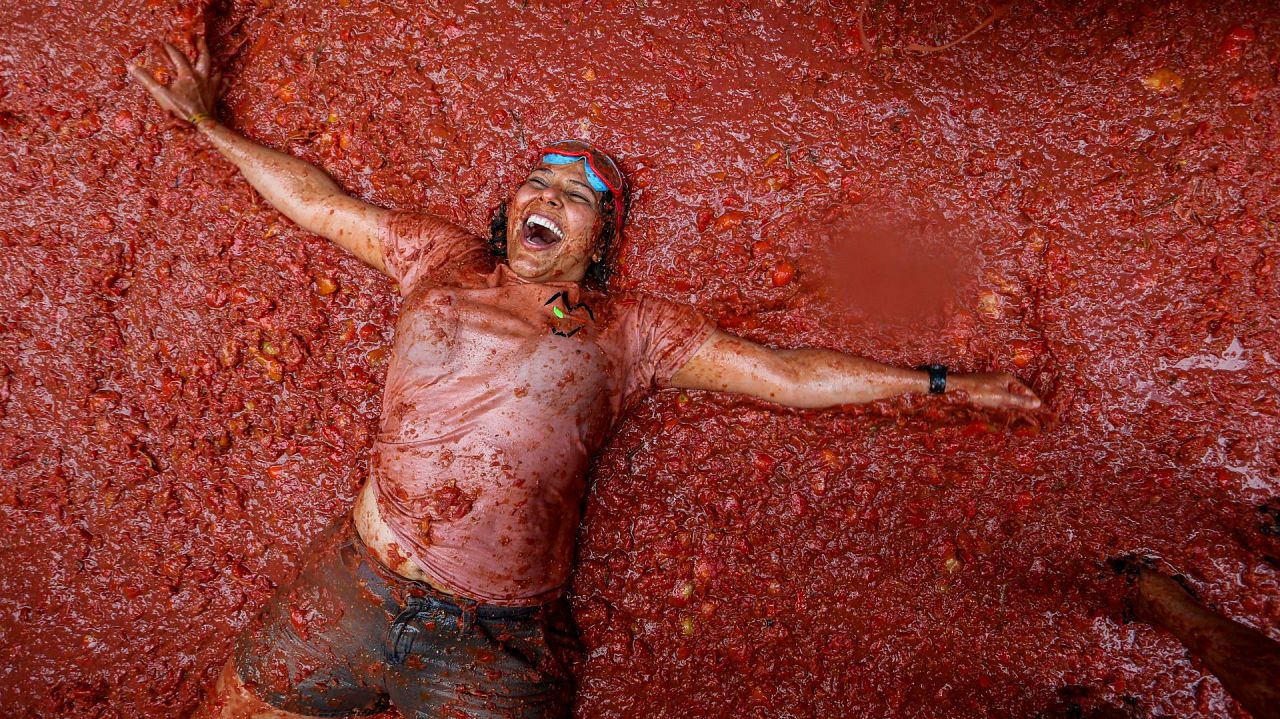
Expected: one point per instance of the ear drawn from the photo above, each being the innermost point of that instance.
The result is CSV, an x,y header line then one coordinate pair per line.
x,y
597,242
598,250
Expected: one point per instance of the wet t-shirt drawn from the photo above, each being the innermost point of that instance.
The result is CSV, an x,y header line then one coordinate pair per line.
x,y
498,393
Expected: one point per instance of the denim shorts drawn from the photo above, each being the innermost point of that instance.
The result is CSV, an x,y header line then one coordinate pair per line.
x,y
349,637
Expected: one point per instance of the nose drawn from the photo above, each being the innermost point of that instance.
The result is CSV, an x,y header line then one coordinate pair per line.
x,y
551,196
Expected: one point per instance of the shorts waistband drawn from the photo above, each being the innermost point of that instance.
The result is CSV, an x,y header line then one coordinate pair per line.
x,y
450,603
459,606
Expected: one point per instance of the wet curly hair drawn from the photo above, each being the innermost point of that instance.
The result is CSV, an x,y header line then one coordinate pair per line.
x,y
598,273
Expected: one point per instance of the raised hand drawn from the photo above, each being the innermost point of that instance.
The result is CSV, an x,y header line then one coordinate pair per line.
x,y
998,390
193,92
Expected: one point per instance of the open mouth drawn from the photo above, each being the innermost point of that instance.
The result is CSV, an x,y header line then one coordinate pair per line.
x,y
540,232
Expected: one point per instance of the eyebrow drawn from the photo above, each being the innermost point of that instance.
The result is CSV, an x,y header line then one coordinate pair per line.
x,y
589,188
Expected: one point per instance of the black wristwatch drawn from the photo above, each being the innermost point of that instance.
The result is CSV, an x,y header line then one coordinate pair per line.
x,y
937,377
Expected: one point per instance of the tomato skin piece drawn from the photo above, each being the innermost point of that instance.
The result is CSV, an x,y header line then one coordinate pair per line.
x,y
1234,42
783,274
729,220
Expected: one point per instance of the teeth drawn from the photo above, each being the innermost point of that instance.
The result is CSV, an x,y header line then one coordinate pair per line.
x,y
544,222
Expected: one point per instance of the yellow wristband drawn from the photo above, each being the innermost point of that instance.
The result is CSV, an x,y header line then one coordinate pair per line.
x,y
200,117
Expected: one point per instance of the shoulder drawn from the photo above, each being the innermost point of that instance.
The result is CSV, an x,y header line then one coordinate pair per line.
x,y
424,226
617,308
647,307
658,335
615,303
649,318
635,300
424,248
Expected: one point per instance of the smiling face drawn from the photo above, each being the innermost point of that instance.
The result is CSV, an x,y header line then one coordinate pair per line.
x,y
553,224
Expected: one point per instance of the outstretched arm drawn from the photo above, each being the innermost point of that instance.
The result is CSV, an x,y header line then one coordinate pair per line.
x,y
813,378
301,191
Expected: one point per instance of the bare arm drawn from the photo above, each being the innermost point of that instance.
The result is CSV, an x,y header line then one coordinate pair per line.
x,y
304,194
812,378
299,190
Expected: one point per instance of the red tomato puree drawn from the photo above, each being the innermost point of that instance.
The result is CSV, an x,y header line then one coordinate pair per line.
x,y
1082,194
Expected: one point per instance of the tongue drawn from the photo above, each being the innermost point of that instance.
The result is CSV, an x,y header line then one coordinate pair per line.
x,y
541,235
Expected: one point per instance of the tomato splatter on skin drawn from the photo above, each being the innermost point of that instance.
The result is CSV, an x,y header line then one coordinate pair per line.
x,y
189,383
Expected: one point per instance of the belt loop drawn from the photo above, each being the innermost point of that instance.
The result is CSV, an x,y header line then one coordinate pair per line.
x,y
467,615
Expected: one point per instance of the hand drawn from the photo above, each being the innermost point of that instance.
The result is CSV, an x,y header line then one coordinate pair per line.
x,y
998,390
192,92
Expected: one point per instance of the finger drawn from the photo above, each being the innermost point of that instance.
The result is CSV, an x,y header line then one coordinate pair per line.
x,y
144,76
179,60
167,104
1027,393
158,92
1024,400
165,59
202,63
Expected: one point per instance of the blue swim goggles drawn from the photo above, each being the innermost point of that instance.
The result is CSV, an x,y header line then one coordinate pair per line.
x,y
602,172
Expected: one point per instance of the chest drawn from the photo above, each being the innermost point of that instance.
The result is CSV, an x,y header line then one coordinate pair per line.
x,y
544,336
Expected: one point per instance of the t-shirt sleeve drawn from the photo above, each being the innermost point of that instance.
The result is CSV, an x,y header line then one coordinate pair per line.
x,y
418,247
664,335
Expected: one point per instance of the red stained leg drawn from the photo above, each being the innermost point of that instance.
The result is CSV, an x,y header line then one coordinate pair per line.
x,y
1244,660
